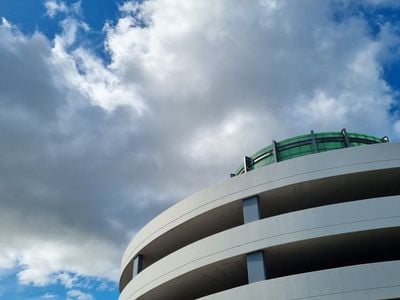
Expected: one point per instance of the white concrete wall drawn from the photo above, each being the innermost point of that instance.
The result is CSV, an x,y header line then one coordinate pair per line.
x,y
361,282
297,226
305,224
305,168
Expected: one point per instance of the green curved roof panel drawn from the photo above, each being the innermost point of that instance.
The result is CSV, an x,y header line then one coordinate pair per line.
x,y
304,145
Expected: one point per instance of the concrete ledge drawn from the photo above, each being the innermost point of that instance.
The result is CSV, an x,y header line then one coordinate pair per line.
x,y
361,282
301,225
302,169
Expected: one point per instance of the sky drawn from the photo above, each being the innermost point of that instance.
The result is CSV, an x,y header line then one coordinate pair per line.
x,y
112,111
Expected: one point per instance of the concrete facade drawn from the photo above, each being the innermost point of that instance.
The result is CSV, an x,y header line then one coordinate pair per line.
x,y
321,226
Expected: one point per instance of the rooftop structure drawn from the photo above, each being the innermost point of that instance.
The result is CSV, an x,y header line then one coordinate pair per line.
x,y
299,222
304,145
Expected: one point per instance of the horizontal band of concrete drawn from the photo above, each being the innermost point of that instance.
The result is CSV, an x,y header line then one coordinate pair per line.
x,y
301,225
302,169
362,282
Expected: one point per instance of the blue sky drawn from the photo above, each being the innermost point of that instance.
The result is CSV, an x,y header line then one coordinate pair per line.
x,y
111,111
30,16
376,17
98,289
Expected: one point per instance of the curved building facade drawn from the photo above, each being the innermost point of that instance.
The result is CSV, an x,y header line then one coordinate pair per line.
x,y
312,217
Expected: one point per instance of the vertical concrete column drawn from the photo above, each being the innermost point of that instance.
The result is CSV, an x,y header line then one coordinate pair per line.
x,y
251,209
255,266
137,264
255,260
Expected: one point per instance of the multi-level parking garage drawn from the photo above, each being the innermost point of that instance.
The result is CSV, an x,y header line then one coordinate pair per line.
x,y
296,221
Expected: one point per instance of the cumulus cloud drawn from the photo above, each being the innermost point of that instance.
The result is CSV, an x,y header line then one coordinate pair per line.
x,y
90,151
289,60
78,295
49,296
49,124
397,127
55,7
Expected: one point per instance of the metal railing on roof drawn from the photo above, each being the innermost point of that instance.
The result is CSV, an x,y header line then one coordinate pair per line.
x,y
304,145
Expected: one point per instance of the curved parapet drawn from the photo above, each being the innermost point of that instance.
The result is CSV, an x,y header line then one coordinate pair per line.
x,y
292,219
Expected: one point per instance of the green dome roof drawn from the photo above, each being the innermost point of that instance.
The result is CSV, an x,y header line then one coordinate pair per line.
x,y
303,145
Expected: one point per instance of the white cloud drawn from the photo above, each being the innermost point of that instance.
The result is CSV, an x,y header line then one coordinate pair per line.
x,y
54,7
49,296
5,23
93,151
66,279
78,295
383,2
263,56
397,127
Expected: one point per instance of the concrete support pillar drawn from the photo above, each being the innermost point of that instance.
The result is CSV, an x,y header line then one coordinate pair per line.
x,y
256,266
255,260
137,264
251,209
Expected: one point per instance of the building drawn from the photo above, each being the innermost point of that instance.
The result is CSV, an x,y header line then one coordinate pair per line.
x,y
296,221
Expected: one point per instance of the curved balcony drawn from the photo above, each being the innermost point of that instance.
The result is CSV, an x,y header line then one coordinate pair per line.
x,y
304,205
364,230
